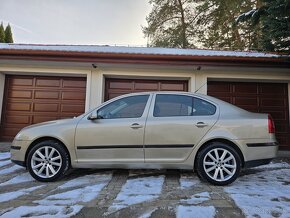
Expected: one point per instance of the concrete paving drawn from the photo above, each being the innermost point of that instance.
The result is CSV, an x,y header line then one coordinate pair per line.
x,y
178,189
5,146
164,205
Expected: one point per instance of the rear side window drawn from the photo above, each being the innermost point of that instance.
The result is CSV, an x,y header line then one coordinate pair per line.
x,y
167,105
202,108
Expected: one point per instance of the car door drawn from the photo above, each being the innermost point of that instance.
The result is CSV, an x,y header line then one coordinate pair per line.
x,y
116,132
175,123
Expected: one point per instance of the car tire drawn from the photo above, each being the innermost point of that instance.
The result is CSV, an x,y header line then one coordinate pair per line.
x,y
218,163
48,161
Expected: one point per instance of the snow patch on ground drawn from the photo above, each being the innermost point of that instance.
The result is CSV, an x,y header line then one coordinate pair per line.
x,y
24,177
10,170
148,214
61,204
264,194
188,180
86,180
274,165
195,211
43,211
138,190
4,155
197,198
5,210
5,162
72,197
13,195
84,194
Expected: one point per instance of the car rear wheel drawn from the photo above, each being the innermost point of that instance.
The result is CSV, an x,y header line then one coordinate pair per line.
x,y
218,163
47,161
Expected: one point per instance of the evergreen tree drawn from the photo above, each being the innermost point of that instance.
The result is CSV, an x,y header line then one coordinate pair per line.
x,y
8,34
273,17
170,24
202,23
2,33
217,28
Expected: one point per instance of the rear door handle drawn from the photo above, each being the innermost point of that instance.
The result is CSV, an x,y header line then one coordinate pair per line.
x,y
136,126
201,124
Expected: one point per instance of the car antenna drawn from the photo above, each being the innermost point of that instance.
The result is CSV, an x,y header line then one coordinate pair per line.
x,y
200,87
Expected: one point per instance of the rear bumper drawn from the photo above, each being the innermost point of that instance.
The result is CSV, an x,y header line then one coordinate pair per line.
x,y
255,163
258,151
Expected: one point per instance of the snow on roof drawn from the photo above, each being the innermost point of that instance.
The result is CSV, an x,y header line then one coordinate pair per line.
x,y
134,50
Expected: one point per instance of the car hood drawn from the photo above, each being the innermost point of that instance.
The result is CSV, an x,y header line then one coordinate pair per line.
x,y
30,132
53,122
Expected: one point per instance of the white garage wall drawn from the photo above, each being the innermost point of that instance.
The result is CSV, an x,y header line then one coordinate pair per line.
x,y
97,87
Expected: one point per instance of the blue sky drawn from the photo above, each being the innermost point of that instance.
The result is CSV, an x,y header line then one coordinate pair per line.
x,y
76,21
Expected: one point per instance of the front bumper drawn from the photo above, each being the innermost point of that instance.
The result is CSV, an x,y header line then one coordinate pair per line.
x,y
20,163
18,150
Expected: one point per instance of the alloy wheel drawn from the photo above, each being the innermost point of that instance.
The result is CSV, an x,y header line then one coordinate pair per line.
x,y
219,164
46,162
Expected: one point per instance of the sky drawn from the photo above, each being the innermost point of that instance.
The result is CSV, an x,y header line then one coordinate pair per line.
x,y
98,22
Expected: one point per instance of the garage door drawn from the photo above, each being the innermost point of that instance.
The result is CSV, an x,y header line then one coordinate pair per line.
x,y
116,87
269,98
34,99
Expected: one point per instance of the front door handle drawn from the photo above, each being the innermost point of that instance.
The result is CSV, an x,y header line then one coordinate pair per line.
x,y
136,126
201,124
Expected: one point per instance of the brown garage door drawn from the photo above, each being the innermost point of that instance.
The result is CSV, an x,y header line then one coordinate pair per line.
x,y
269,98
35,99
116,87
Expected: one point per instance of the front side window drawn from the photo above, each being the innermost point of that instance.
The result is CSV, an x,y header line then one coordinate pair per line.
x,y
128,107
168,105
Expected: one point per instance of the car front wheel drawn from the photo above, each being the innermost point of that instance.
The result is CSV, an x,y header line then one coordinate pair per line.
x,y
218,163
47,161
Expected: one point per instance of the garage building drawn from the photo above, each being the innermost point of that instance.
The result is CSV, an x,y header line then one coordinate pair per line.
x,y
46,82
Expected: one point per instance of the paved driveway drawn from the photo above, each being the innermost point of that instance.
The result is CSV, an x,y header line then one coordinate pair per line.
x,y
259,192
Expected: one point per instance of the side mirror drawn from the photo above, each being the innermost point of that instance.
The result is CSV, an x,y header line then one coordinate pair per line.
x,y
93,117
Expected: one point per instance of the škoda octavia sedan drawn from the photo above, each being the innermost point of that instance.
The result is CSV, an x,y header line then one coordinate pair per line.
x,y
176,130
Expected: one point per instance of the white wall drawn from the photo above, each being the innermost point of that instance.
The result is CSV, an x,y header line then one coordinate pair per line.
x,y
97,88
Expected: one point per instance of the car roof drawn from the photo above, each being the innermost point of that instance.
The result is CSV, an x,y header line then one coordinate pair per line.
x,y
211,99
172,92
160,92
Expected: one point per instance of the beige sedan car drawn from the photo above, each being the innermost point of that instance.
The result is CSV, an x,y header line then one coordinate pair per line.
x,y
173,130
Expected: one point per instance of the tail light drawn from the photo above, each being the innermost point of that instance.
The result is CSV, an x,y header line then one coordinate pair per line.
x,y
271,125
